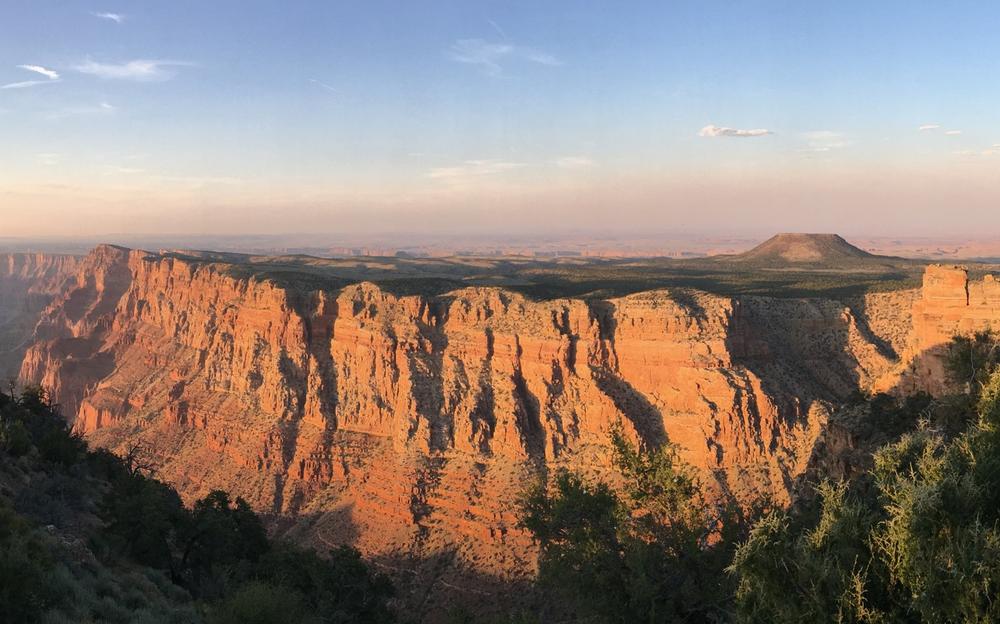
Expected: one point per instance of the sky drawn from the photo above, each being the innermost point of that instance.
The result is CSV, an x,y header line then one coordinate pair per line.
x,y
251,117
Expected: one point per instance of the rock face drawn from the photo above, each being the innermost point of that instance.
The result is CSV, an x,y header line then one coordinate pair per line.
x,y
949,304
408,425
28,282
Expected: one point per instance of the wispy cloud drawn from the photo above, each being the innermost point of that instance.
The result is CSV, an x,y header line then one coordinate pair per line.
x,y
26,83
713,131
474,168
51,74
104,108
117,18
142,70
824,140
323,85
929,127
953,132
489,56
497,28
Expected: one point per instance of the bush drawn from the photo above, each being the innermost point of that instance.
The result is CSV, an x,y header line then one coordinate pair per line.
x,y
25,561
654,552
342,587
922,543
15,439
971,359
260,603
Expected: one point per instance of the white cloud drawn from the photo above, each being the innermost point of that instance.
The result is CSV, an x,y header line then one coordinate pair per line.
x,y
489,55
953,132
929,127
26,83
714,131
824,140
117,18
52,76
474,168
143,70
573,162
38,69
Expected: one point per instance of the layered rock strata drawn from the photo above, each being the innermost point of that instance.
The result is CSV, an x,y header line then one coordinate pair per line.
x,y
408,425
950,303
28,282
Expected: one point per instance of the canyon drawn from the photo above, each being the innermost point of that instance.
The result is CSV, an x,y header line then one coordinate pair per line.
x,y
408,424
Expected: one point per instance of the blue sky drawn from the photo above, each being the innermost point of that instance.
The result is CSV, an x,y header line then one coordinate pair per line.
x,y
248,116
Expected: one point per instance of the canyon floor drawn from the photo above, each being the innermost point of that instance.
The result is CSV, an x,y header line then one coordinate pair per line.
x,y
402,404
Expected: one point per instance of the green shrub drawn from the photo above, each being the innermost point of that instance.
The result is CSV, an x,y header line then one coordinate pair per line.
x,y
989,400
342,587
25,561
15,439
653,551
260,603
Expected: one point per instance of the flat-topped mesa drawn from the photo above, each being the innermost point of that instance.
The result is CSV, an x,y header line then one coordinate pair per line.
x,y
805,248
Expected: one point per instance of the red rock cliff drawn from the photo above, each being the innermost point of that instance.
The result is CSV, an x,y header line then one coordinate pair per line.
x,y
28,282
950,303
409,424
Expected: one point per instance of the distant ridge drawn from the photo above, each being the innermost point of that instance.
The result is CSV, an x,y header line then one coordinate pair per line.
x,y
805,249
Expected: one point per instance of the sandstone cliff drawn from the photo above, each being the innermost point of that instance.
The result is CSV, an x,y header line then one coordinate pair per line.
x,y
949,303
28,282
408,425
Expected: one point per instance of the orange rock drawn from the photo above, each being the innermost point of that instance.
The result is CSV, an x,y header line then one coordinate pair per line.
x,y
410,424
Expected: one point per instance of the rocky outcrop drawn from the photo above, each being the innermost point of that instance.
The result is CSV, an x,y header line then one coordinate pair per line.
x,y
28,282
949,304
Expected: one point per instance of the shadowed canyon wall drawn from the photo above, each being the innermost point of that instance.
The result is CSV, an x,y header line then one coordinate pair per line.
x,y
408,425
28,282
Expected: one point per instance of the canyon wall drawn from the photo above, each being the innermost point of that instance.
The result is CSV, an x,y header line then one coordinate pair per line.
x,y
408,425
28,282
950,303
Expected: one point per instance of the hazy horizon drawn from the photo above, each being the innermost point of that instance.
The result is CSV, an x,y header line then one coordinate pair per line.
x,y
694,118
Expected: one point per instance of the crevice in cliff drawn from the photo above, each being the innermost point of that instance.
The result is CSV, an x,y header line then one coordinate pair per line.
x,y
428,385
646,418
483,415
527,412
